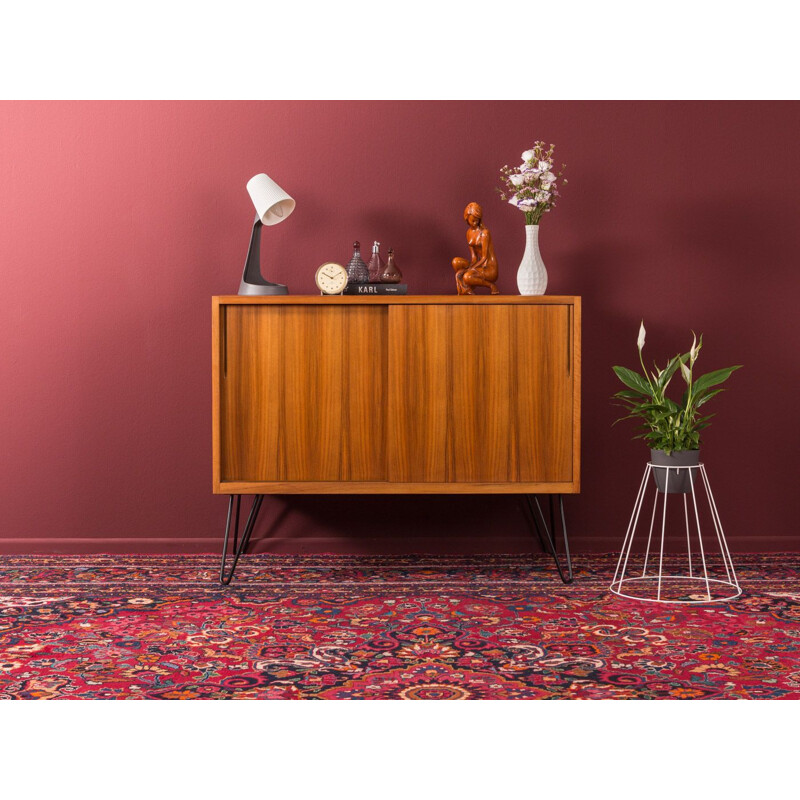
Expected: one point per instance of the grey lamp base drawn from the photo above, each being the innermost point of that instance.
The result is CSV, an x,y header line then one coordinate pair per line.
x,y
259,289
253,282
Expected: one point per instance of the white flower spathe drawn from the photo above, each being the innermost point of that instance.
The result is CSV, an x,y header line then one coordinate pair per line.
x,y
640,340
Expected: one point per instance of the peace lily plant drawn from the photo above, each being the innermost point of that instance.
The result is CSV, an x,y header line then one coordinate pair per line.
x,y
667,425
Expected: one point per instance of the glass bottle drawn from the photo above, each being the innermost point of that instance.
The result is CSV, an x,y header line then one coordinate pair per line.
x,y
376,265
391,273
356,269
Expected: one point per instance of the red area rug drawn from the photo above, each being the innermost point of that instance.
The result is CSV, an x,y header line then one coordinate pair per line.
x,y
412,627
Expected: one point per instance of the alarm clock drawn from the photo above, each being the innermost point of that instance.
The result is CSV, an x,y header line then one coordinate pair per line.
x,y
331,278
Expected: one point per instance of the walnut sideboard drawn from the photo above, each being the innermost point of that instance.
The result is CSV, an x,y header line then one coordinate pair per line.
x,y
395,394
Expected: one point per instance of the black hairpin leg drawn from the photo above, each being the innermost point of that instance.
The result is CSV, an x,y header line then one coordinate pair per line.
x,y
238,546
547,535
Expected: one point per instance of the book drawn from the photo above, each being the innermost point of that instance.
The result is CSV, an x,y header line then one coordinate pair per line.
x,y
376,288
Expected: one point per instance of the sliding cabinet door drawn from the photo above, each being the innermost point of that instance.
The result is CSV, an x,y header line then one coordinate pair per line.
x,y
480,393
302,393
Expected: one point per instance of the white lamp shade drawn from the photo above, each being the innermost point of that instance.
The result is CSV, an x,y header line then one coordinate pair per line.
x,y
272,204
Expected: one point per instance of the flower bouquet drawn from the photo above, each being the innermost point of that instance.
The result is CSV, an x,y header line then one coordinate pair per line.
x,y
533,186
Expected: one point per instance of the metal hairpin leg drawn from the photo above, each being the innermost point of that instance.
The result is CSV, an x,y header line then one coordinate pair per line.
x,y
548,541
245,540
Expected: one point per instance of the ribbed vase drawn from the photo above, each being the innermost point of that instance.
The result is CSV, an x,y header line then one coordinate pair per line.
x,y
531,275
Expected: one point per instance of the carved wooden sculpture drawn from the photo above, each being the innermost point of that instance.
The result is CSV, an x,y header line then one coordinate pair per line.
x,y
481,270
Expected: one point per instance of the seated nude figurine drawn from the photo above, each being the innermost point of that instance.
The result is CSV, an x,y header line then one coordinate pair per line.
x,y
482,269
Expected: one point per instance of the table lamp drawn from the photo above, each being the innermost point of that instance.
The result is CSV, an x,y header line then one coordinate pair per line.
x,y
273,205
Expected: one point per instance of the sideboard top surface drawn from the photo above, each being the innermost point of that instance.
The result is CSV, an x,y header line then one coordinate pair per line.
x,y
406,299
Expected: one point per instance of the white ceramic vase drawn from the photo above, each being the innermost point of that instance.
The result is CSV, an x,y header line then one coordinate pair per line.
x,y
532,275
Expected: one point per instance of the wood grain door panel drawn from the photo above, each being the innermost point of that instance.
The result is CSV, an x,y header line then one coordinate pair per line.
x,y
303,393
480,393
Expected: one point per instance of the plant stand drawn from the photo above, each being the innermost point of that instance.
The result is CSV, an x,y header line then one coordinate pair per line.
x,y
678,581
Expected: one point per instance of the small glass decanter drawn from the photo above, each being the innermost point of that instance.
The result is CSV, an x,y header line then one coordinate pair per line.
x,y
391,273
376,265
356,269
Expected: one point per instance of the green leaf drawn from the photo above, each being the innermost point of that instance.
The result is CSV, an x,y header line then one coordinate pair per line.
x,y
628,394
706,397
669,371
633,380
713,378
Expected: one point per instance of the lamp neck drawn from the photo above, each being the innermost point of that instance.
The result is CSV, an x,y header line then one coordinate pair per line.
x,y
252,266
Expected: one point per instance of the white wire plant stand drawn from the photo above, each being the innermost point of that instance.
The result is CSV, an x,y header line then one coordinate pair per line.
x,y
683,578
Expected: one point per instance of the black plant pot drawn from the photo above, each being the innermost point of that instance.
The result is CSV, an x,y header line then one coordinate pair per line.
x,y
680,480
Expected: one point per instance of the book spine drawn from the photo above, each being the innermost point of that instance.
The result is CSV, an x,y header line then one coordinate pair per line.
x,y
376,288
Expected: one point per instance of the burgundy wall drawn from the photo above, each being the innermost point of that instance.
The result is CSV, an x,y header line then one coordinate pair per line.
x,y
118,221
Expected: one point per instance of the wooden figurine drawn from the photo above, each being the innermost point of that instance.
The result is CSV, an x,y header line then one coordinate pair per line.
x,y
481,270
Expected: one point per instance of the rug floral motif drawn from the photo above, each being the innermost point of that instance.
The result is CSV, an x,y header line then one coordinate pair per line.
x,y
388,627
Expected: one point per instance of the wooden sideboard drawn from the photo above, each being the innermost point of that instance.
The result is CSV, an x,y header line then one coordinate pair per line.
x,y
411,394
390,395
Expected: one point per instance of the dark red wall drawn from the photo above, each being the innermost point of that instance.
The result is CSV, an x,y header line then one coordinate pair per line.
x,y
119,221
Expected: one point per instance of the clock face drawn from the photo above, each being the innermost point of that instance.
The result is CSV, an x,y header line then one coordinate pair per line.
x,y
331,278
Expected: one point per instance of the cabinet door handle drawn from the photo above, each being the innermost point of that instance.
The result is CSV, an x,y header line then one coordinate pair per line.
x,y
569,341
223,335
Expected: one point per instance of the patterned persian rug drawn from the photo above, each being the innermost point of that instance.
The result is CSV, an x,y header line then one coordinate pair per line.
x,y
369,627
